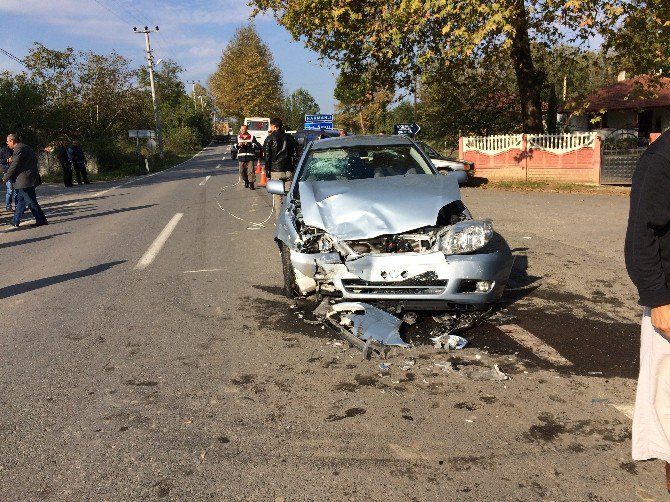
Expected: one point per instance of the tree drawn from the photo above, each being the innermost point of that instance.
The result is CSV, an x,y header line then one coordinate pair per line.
x,y
296,106
247,82
402,38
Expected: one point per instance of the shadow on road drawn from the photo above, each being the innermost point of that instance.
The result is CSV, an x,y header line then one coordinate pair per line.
x,y
28,241
104,213
26,287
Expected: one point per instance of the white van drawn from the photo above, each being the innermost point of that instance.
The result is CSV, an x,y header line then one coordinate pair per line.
x,y
259,127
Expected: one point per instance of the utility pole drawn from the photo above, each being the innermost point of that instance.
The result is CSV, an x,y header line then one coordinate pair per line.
x,y
193,82
150,62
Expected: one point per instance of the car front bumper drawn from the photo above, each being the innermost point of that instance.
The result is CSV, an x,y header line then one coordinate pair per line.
x,y
431,278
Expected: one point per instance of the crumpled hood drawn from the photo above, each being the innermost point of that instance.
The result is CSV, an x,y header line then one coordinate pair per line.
x,y
362,209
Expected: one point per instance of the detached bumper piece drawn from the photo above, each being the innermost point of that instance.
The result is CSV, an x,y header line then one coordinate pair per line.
x,y
365,327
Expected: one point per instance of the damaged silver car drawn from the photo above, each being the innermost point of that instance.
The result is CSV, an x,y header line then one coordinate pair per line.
x,y
370,219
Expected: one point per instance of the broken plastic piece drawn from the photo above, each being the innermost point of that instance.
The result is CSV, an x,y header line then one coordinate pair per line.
x,y
409,318
482,373
405,365
373,323
384,368
502,319
449,342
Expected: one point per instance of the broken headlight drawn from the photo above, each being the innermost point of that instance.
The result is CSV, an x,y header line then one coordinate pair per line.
x,y
466,237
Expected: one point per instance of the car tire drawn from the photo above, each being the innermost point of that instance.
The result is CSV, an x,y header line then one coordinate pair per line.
x,y
290,286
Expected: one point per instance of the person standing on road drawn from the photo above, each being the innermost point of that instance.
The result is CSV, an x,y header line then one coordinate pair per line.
x,y
25,175
647,254
245,157
5,161
78,162
64,161
279,149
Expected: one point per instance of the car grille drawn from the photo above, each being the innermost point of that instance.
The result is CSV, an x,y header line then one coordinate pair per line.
x,y
360,287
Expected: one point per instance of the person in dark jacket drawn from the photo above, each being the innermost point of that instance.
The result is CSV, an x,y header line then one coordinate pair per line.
x,y
78,161
647,253
25,175
64,161
279,149
5,156
245,157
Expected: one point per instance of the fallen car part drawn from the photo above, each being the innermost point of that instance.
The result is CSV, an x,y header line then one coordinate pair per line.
x,y
449,342
371,330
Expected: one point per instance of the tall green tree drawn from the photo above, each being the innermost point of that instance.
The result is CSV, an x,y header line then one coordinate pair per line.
x,y
247,82
399,39
298,104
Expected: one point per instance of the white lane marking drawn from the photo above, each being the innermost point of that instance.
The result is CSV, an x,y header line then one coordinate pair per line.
x,y
157,245
203,270
202,183
626,409
530,341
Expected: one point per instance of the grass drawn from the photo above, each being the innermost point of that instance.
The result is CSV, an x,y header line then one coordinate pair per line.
x,y
556,186
126,170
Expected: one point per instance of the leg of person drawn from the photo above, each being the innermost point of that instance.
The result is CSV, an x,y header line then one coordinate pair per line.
x,y
9,195
251,174
662,404
20,207
77,173
30,199
650,440
277,200
67,174
84,174
243,173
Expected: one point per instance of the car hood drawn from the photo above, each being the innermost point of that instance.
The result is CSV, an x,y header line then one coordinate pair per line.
x,y
362,209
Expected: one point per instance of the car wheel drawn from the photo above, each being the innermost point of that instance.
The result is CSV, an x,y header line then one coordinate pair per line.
x,y
290,286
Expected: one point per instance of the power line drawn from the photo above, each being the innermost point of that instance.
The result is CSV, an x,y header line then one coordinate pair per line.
x,y
125,21
12,56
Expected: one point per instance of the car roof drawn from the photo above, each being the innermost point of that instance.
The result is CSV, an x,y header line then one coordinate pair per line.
x,y
354,141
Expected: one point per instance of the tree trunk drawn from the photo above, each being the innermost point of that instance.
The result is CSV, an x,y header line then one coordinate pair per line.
x,y
528,80
360,116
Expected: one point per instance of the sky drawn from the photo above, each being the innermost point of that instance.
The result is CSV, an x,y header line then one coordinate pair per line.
x,y
192,32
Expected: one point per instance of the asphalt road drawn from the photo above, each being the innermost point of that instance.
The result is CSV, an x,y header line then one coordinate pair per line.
x,y
133,371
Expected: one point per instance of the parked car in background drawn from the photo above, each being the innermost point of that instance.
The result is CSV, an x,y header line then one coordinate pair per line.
x,y
463,170
304,136
369,218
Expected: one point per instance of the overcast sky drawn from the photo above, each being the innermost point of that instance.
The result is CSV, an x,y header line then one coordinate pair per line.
x,y
192,32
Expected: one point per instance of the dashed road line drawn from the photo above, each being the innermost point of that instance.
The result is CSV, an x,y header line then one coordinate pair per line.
x,y
537,346
203,270
157,245
202,183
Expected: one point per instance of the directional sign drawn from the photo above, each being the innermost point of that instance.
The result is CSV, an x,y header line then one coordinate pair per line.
x,y
141,133
318,118
311,126
410,129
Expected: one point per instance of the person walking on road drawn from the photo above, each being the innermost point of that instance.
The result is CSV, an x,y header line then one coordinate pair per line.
x,y
5,161
245,157
64,161
279,149
25,175
647,253
78,162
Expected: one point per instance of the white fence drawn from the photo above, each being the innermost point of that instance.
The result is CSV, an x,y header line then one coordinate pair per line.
x,y
555,143
562,143
492,144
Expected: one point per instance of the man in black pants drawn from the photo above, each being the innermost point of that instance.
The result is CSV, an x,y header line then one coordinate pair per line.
x,y
279,149
64,160
25,175
78,161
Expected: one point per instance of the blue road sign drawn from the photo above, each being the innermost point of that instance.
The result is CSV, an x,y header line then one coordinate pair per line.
x,y
318,118
318,125
406,128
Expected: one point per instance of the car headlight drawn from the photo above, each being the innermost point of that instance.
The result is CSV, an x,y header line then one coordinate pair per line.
x,y
466,237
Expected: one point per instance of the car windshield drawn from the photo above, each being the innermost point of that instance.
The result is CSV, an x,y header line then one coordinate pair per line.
x,y
258,125
360,162
430,151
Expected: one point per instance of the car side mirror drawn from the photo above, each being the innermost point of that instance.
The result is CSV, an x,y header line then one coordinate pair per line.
x,y
275,187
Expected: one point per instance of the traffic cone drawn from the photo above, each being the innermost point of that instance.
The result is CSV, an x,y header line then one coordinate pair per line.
x,y
263,179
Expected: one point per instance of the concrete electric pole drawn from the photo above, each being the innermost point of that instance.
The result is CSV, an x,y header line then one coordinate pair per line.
x,y
150,62
193,82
